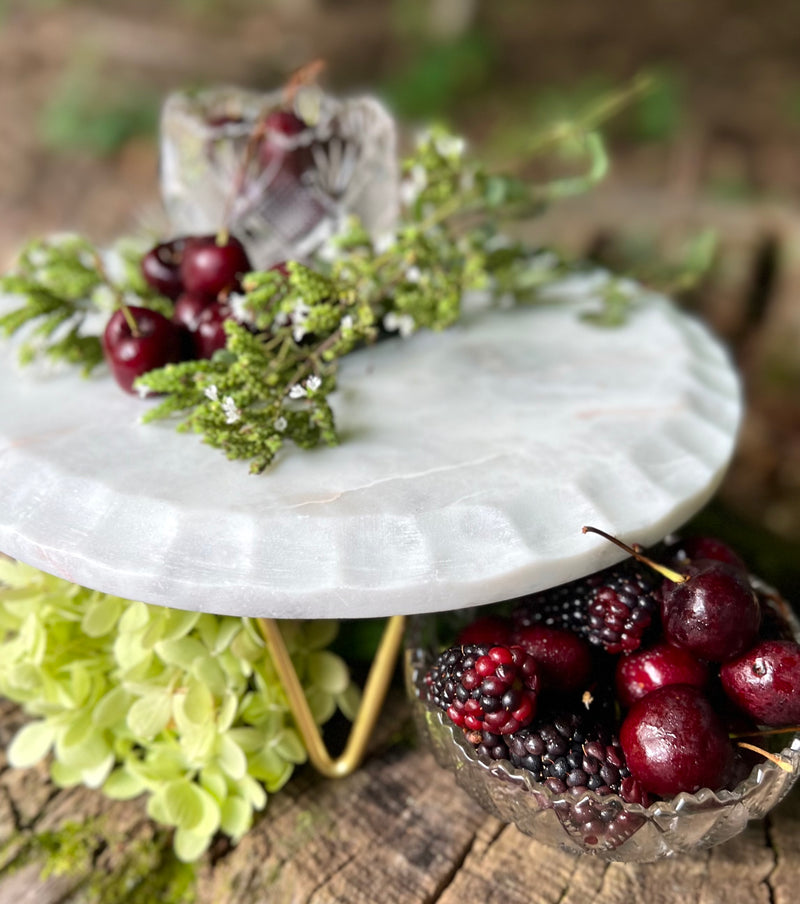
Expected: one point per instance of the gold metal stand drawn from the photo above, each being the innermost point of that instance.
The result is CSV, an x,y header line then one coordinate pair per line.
x,y
380,675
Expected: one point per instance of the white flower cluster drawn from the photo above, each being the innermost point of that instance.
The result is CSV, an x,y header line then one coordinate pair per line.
x,y
399,323
230,409
303,390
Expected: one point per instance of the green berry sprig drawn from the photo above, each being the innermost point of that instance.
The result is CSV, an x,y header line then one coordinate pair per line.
x,y
65,285
275,385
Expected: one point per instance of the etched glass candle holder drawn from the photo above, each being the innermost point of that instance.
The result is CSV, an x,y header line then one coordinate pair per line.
x,y
228,160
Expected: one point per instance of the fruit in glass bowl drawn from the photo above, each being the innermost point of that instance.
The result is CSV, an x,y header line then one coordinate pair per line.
x,y
571,776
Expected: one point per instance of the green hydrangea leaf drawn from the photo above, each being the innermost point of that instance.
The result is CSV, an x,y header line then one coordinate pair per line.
x,y
183,806
80,685
101,615
231,757
65,776
24,678
214,782
319,633
178,623
128,649
321,704
17,575
157,807
227,711
31,744
228,629
135,618
111,709
279,779
149,715
245,646
269,767
253,792
251,740
189,807
164,763
182,651
190,846
349,701
236,817
82,745
95,776
328,671
290,746
196,705
209,673
33,635
122,785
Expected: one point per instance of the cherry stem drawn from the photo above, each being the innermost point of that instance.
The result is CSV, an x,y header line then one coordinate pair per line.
x,y
306,75
765,732
668,573
130,320
779,761
126,311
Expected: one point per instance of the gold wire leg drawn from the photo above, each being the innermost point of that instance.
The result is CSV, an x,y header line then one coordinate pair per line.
x,y
380,674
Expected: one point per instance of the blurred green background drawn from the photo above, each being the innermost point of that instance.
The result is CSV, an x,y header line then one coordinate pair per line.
x,y
713,146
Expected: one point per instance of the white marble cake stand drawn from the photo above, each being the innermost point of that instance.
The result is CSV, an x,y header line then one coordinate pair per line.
x,y
469,462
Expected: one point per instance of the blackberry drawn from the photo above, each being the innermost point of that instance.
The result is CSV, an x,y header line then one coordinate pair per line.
x,y
488,745
567,752
570,756
482,687
612,609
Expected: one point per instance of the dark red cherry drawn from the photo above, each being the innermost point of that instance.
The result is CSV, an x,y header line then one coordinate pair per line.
x,y
280,152
714,614
674,741
705,548
130,353
644,671
208,335
765,682
161,267
224,119
488,629
210,266
189,307
563,659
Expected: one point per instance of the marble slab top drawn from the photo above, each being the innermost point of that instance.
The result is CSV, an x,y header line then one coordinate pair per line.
x,y
469,462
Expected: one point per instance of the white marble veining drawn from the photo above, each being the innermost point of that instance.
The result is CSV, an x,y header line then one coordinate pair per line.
x,y
469,462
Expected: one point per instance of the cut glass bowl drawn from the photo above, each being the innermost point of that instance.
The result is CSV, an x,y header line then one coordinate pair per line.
x,y
605,826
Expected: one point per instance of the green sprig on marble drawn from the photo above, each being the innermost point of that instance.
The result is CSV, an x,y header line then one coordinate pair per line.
x,y
273,382
266,389
64,285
